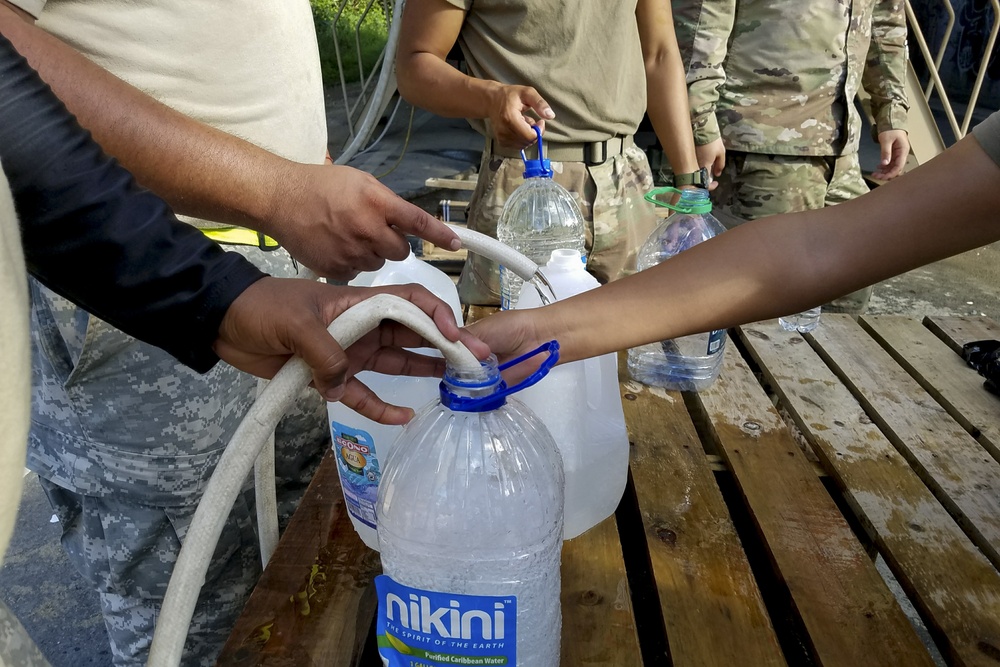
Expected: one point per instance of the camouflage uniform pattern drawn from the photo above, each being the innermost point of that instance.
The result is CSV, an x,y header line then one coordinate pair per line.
x,y
610,196
16,647
125,439
791,135
740,86
755,186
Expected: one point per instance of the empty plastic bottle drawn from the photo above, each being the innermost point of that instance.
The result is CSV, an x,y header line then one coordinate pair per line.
x,y
803,322
690,363
581,406
470,528
362,445
539,216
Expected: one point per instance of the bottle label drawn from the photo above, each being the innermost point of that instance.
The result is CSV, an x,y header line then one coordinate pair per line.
x,y
418,628
715,340
359,470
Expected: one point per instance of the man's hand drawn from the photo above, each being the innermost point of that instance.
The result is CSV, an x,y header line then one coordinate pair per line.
x,y
712,156
511,333
340,221
276,318
511,126
895,146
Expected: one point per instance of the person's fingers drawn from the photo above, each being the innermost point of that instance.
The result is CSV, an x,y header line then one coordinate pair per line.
x,y
411,219
358,397
886,147
308,338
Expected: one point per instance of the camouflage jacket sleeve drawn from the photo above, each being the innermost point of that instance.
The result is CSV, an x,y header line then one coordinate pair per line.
x,y
884,75
703,29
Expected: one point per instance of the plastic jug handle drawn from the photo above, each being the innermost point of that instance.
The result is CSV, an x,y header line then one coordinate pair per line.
x,y
653,197
499,397
541,150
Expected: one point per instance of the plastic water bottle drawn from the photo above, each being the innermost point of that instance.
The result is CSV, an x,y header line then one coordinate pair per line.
x,y
581,406
470,527
690,363
362,445
539,216
803,322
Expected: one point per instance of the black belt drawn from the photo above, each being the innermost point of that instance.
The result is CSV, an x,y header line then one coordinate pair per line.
x,y
592,152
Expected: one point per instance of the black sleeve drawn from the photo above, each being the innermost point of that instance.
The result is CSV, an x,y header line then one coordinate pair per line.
x,y
91,234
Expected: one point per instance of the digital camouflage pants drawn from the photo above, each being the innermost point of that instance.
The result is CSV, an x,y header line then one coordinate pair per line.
x,y
124,440
610,196
757,185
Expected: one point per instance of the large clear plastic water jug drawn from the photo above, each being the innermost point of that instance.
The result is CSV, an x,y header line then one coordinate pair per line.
x,y
580,404
539,216
361,445
689,363
470,515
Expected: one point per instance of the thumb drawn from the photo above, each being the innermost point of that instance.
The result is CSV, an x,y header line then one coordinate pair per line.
x,y
531,99
886,152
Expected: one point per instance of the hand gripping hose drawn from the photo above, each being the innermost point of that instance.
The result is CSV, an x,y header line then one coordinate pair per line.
x,y
238,457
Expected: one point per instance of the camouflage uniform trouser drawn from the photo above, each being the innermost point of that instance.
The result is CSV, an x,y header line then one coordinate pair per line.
x,y
758,185
124,440
16,647
610,196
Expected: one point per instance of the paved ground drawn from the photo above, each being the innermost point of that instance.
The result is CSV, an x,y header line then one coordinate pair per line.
x,y
40,585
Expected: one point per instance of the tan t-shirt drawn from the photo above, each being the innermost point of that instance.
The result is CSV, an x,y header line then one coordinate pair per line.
x,y
15,365
248,67
584,58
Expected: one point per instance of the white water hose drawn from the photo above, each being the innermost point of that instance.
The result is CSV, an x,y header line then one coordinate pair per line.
x,y
239,456
503,254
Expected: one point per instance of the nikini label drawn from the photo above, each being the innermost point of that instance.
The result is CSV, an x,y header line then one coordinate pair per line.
x,y
418,628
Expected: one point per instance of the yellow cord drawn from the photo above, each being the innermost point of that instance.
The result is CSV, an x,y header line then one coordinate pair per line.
x,y
406,142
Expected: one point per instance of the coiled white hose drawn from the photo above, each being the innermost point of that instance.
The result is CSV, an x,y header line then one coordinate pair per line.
x,y
239,456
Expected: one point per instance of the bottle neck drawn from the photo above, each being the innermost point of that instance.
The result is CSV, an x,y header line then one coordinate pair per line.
x,y
695,200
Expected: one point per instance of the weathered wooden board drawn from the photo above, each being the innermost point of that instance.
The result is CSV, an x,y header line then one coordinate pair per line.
x,y
943,374
315,602
953,585
711,605
846,608
964,477
957,331
598,624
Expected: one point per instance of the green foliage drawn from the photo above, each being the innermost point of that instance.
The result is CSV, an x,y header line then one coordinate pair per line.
x,y
371,37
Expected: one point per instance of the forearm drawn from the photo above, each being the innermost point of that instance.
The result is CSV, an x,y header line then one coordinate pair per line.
x,y
92,235
787,263
199,170
884,76
668,110
429,82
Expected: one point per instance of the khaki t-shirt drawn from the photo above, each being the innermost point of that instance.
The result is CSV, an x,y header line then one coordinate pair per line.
x,y
584,58
15,365
248,67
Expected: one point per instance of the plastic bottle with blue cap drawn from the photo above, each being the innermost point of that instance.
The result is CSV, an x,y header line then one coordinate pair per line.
x,y
470,512
539,216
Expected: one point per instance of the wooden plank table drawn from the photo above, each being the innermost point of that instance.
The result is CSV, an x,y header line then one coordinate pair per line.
x,y
747,533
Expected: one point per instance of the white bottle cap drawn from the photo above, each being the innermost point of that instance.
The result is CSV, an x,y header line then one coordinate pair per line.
x,y
565,259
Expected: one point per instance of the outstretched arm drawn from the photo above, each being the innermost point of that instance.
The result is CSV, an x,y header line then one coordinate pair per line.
x,y
777,265
336,220
430,29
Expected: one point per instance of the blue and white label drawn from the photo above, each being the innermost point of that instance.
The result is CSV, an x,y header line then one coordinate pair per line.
x,y
418,628
359,470
715,340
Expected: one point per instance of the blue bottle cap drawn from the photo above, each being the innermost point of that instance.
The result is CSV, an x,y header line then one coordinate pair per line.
x,y
540,168
498,397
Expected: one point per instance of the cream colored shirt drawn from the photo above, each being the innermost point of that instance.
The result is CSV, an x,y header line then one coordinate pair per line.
x,y
15,365
248,67
584,59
